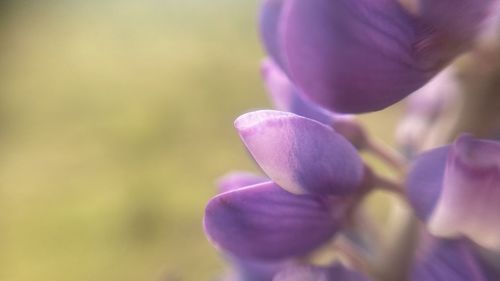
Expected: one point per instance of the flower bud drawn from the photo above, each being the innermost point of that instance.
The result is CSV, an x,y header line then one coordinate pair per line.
x,y
301,155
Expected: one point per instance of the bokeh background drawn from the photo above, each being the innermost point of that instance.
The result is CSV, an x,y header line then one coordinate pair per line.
x,y
115,120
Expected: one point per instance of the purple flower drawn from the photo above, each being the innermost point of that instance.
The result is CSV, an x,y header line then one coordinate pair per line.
x,y
360,56
313,273
456,190
265,222
330,57
300,154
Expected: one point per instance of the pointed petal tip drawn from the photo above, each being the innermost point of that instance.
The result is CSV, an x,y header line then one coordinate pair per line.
x,y
253,119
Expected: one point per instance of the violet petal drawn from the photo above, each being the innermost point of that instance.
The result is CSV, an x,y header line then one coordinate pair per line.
x,y
265,222
360,56
351,56
300,154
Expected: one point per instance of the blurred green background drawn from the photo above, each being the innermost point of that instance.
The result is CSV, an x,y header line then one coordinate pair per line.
x,y
115,119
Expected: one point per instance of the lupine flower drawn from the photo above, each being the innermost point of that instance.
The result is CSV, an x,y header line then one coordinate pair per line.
x,y
456,189
314,273
446,260
360,56
300,154
265,221
329,57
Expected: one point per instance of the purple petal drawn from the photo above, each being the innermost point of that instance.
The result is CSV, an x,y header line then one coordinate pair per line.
x,y
470,199
237,179
270,15
446,260
351,56
425,179
313,273
364,55
266,222
286,97
300,154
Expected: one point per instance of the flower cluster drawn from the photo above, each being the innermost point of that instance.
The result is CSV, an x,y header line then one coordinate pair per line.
x,y
304,218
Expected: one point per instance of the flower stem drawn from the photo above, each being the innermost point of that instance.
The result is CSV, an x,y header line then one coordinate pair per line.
x,y
387,154
388,184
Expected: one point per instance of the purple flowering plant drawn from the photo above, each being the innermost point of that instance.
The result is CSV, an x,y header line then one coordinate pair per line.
x,y
305,217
